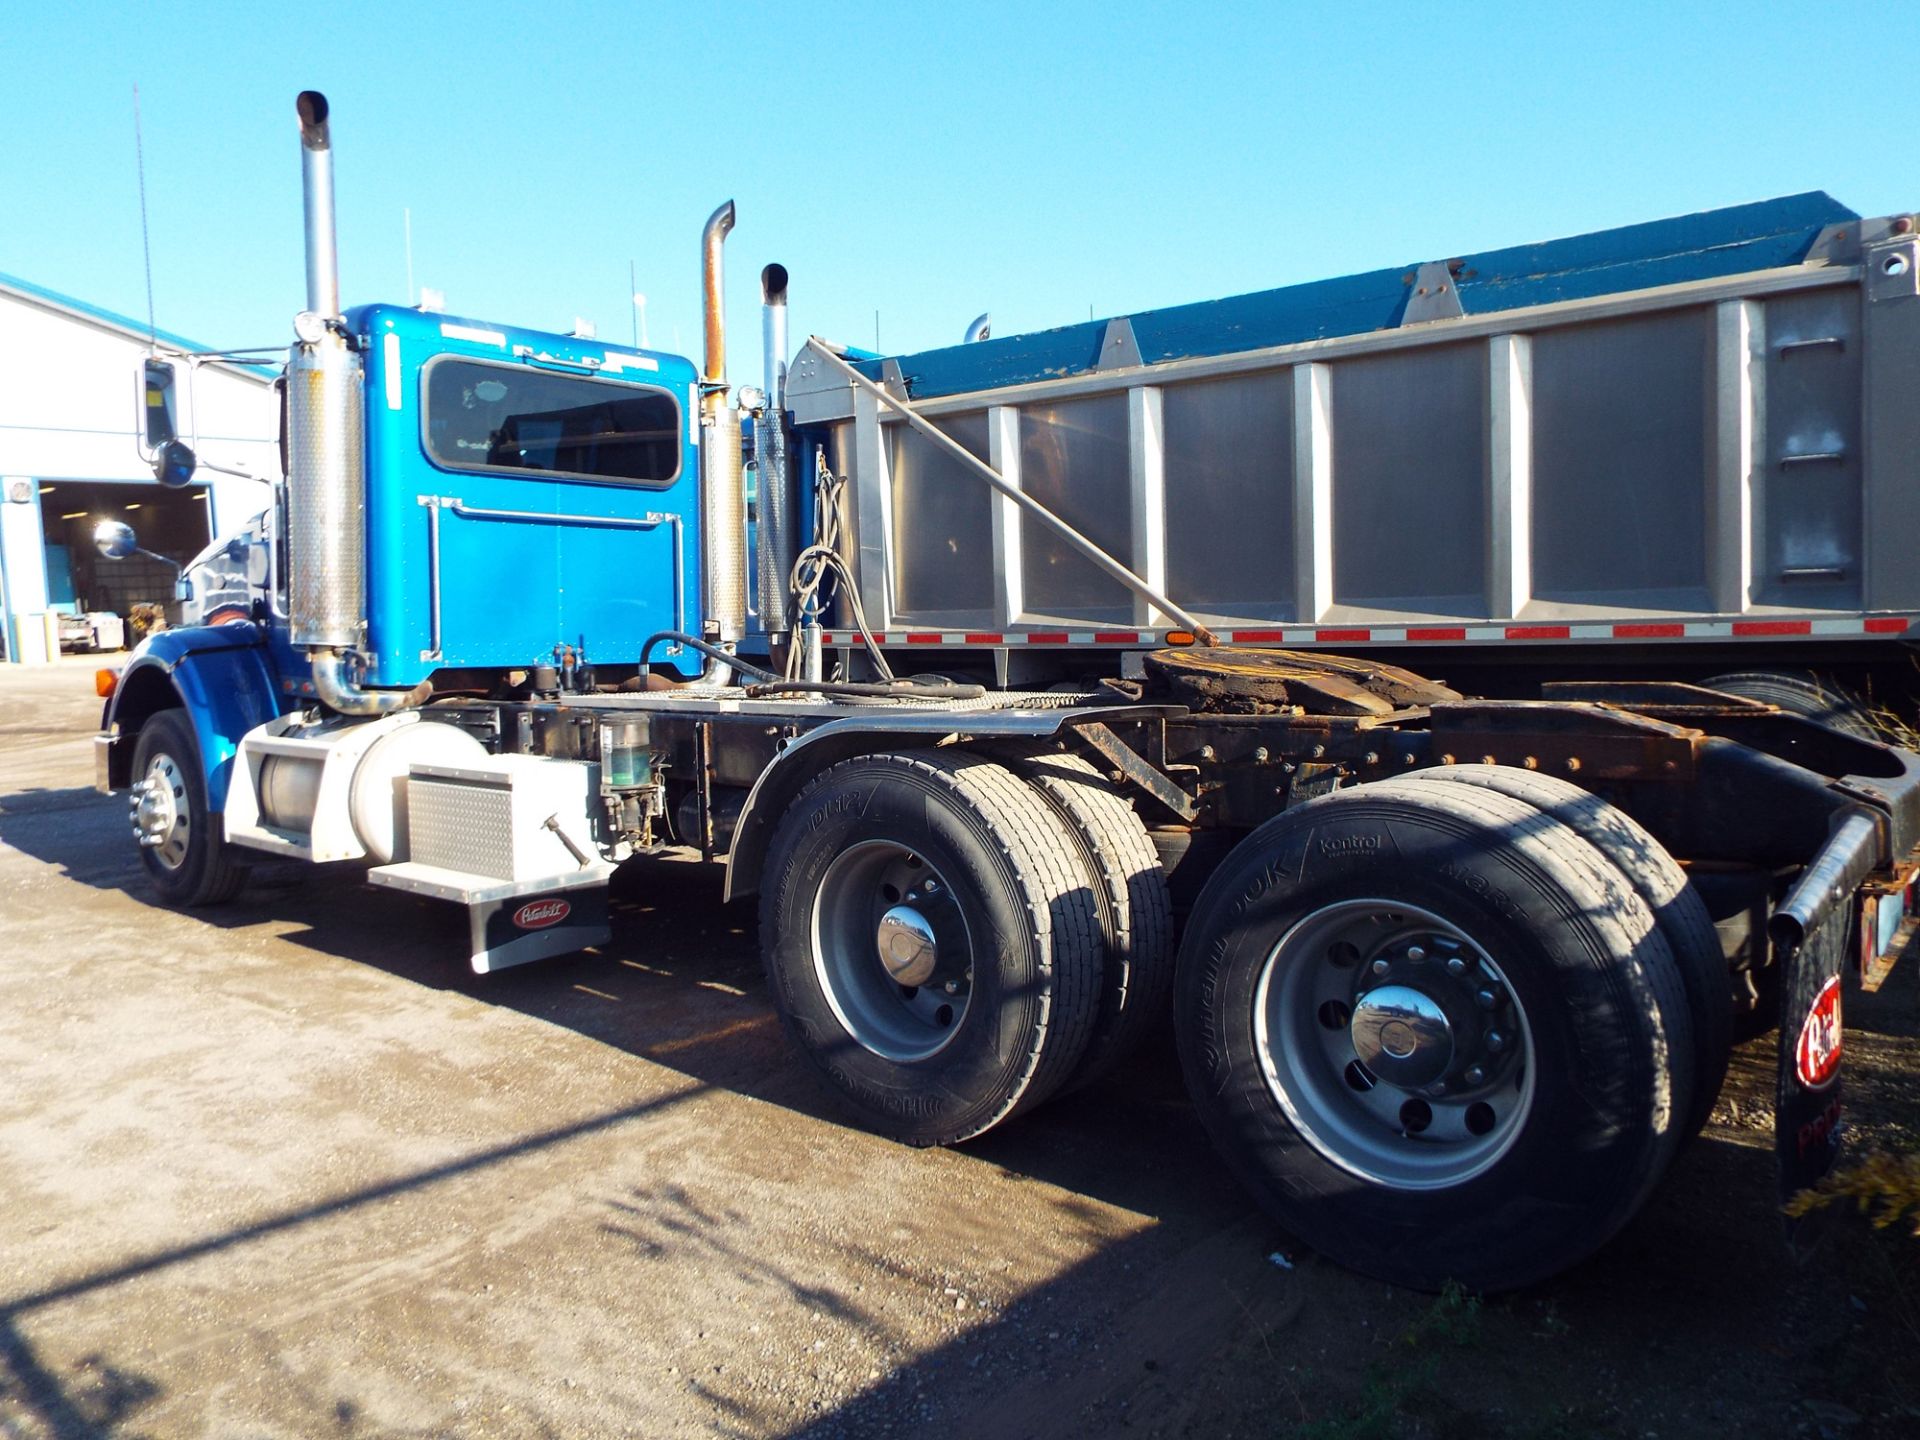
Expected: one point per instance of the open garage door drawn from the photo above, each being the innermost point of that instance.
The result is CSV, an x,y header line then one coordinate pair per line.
x,y
173,523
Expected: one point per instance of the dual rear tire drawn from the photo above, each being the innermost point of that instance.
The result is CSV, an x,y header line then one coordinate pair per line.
x,y
949,943
1438,1032
1449,1027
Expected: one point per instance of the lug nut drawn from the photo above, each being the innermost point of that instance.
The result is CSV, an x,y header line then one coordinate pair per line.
x,y
1496,1042
1456,966
932,887
1416,953
952,987
1475,1076
1380,967
1487,999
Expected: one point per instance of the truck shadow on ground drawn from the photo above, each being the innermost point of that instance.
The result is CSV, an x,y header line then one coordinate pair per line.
x,y
1184,1326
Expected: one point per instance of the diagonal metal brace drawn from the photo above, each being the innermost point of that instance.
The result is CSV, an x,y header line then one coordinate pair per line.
x,y
1019,497
1138,771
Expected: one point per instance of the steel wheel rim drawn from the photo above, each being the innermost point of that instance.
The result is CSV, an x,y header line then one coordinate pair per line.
x,y
163,813
880,896
1452,1079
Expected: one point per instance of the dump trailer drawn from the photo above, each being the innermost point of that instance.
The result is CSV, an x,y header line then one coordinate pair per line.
x,y
1452,978
1687,449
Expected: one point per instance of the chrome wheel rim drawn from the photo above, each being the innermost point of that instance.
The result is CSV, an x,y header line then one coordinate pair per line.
x,y
1394,1044
162,813
891,951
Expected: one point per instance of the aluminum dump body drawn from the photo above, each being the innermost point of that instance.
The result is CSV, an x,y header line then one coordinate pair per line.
x,y
1706,427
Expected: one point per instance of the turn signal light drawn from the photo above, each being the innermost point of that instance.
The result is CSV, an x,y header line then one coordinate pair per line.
x,y
104,682
1179,637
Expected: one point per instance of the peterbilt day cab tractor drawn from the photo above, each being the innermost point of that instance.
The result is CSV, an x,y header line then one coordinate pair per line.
x,y
1056,684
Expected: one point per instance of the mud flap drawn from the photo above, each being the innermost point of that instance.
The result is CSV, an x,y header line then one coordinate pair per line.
x,y
518,929
1808,1105
514,922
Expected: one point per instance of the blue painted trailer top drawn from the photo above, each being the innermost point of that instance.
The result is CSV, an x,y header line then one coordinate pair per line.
x,y
1711,245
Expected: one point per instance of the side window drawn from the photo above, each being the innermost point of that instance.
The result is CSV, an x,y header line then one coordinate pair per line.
x,y
487,416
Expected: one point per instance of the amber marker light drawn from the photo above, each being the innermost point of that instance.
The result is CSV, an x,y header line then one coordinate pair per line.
x,y
104,682
1179,637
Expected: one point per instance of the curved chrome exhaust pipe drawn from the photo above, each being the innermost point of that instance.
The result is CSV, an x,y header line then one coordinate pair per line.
x,y
713,239
326,494
335,689
980,329
723,513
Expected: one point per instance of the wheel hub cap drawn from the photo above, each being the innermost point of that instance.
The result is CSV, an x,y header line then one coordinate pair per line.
x,y
891,951
1394,1043
159,812
907,946
1401,1035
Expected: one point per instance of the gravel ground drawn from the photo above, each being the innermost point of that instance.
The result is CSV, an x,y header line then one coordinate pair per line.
x,y
286,1169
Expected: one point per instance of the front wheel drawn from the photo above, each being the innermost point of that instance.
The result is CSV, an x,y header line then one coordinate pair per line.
x,y
181,848
1434,1035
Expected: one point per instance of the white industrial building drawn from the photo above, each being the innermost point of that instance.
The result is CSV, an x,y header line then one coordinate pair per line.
x,y
70,456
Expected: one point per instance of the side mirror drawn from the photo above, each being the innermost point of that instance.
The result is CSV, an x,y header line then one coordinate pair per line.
x,y
115,540
157,411
173,464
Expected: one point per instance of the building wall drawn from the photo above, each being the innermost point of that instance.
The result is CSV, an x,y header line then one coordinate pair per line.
x,y
68,407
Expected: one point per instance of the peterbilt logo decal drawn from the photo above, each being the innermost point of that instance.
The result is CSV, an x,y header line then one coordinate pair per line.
x,y
1817,1056
538,914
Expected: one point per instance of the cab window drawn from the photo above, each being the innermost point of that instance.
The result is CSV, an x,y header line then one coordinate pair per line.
x,y
482,416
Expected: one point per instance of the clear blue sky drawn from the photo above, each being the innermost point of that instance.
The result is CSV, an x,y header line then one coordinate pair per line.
x,y
1032,159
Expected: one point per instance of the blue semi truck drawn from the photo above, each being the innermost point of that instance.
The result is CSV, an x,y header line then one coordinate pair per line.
x,y
1053,684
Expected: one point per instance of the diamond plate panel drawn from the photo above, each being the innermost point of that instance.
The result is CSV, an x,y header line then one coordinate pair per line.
x,y
461,825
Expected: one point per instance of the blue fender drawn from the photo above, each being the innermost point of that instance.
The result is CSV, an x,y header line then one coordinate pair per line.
x,y
221,675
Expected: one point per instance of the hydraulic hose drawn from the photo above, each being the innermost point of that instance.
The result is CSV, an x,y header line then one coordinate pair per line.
x,y
712,652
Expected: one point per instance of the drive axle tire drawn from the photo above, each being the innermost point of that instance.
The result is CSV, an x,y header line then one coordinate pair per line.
x,y
932,944
1658,879
1435,1034
1136,915
186,858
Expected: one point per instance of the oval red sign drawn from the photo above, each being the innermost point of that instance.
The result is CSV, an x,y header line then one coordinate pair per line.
x,y
538,914
1817,1056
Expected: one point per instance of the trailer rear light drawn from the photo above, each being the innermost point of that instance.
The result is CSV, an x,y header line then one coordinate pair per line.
x,y
104,682
1179,637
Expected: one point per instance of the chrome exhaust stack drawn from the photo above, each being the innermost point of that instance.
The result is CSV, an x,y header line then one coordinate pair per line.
x,y
326,486
723,513
774,550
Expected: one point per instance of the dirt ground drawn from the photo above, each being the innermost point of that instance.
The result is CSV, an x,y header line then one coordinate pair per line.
x,y
287,1169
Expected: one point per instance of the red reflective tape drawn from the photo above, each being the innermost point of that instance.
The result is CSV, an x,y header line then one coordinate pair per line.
x,y
1437,632
1773,627
1649,632
980,637
1047,637
1335,637
923,637
1255,637
1887,625
1116,637
1538,632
